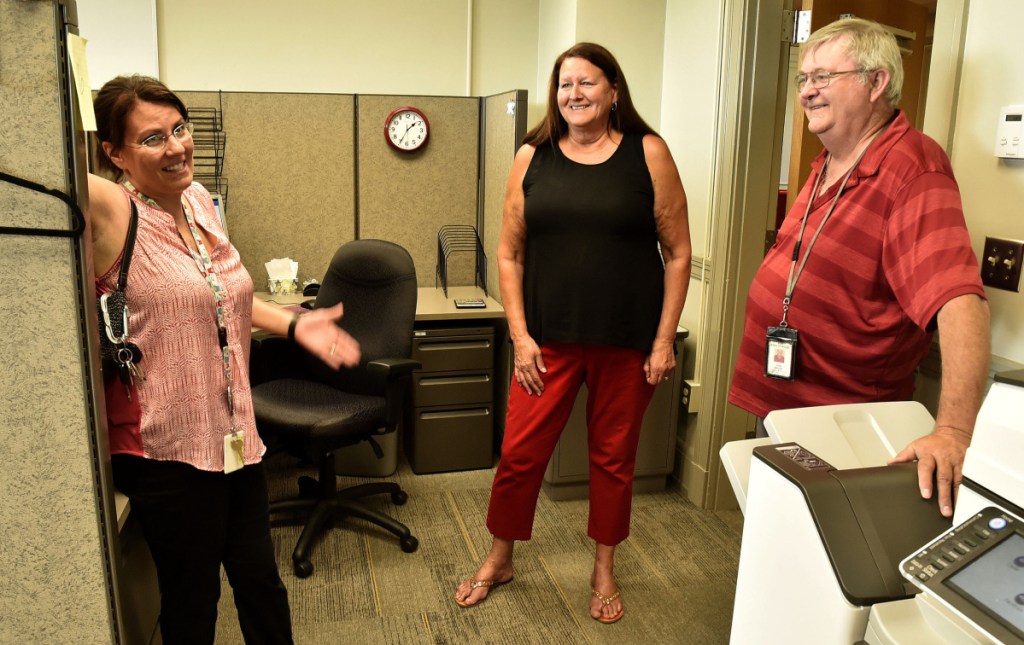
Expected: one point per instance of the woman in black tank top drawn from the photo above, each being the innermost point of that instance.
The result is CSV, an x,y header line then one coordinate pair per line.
x,y
594,264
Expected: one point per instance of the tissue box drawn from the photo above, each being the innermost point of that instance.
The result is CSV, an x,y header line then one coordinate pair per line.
x,y
283,287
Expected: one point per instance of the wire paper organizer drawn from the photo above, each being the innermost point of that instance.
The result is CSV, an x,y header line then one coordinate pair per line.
x,y
210,140
460,238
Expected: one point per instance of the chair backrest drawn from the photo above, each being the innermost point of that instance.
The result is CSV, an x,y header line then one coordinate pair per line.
x,y
376,281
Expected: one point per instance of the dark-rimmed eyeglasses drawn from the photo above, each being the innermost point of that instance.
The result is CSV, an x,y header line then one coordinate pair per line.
x,y
820,79
182,132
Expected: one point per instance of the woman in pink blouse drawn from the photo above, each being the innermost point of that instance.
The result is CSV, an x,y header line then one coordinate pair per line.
x,y
182,432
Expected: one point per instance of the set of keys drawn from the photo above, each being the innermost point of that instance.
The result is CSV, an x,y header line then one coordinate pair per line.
x,y
128,355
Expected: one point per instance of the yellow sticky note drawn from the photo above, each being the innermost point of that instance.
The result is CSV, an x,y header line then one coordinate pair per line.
x,y
76,50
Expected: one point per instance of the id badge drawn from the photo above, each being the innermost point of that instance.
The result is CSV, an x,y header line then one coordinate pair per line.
x,y
234,452
780,353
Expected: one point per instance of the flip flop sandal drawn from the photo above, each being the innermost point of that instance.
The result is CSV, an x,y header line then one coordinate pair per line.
x,y
605,601
476,584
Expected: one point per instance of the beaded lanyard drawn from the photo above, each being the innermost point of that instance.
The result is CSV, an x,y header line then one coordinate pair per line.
x,y
205,266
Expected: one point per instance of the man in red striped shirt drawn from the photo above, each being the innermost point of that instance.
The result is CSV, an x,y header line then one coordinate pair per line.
x,y
873,258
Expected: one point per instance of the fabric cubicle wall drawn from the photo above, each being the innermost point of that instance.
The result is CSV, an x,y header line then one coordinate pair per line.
x,y
406,197
291,176
57,518
308,172
504,126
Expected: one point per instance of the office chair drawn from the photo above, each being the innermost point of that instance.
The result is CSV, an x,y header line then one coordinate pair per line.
x,y
311,410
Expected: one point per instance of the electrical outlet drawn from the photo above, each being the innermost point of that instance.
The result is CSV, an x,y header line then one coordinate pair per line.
x,y
1000,264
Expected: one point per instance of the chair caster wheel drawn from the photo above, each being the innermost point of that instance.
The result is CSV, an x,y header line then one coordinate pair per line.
x,y
303,569
409,544
308,487
399,497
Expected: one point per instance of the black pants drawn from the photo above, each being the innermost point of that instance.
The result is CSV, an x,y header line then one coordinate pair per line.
x,y
193,522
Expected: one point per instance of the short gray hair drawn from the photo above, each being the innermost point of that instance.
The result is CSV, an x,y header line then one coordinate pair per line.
x,y
869,44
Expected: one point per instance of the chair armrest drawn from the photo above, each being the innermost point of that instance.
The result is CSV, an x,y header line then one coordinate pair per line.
x,y
272,357
392,367
395,372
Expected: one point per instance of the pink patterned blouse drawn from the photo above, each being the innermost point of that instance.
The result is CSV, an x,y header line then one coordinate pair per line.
x,y
184,411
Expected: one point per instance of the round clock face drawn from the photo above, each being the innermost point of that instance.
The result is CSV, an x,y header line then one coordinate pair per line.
x,y
406,129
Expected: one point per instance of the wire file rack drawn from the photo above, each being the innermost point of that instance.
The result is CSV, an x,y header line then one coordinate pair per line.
x,y
209,143
460,238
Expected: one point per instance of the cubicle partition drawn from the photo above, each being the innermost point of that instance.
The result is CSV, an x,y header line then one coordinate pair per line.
x,y
308,172
290,165
57,553
504,121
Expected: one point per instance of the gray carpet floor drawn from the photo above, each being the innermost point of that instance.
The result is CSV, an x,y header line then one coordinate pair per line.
x,y
676,572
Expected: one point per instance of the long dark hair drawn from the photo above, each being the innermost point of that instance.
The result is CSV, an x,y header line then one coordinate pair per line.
x,y
114,103
624,117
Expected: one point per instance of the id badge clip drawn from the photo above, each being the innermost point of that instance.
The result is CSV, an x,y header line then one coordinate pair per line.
x,y
780,353
234,451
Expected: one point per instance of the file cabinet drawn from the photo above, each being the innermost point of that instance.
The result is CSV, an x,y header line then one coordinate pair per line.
x,y
449,423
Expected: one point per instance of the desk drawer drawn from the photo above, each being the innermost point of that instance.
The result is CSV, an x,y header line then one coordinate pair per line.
x,y
450,353
450,438
452,388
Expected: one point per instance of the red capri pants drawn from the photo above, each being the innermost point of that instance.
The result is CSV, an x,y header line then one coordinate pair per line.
x,y
618,395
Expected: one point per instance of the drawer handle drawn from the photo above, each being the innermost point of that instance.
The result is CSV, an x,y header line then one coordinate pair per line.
x,y
451,414
442,346
456,380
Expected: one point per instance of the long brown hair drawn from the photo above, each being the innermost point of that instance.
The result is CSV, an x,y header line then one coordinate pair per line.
x,y
114,103
624,117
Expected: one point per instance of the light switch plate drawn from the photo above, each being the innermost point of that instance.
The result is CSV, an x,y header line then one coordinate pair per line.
x,y
1000,263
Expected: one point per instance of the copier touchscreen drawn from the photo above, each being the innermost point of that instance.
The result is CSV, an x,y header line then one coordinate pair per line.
x,y
995,581
977,569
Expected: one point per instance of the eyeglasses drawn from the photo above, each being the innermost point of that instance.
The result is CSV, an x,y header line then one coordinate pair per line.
x,y
819,78
182,132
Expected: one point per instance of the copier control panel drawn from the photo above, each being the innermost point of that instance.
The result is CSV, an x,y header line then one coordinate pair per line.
x,y
977,570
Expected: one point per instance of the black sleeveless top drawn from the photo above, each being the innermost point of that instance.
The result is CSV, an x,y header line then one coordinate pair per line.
x,y
592,269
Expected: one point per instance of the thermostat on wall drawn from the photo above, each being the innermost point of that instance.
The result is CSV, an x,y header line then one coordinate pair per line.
x,y
1009,132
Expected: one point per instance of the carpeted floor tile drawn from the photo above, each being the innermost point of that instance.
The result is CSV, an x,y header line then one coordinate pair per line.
x,y
676,572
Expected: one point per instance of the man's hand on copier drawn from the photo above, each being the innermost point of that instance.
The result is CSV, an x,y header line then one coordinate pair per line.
x,y
940,460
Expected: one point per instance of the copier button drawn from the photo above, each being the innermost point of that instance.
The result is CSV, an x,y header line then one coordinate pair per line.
x,y
948,557
969,542
997,524
939,564
960,549
923,576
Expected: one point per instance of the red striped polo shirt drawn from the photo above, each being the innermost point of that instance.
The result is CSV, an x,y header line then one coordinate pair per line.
x,y
894,251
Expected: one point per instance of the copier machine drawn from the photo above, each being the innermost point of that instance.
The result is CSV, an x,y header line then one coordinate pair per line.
x,y
838,547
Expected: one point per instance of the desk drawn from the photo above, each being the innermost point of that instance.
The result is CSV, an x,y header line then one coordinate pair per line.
x,y
431,304
459,396
460,393
137,587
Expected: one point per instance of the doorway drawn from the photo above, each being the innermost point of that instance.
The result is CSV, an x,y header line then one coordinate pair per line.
x,y
912,22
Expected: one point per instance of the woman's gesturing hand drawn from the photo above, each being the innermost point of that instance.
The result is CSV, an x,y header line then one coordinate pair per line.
x,y
318,332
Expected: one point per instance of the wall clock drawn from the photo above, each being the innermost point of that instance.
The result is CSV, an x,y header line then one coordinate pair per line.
x,y
406,129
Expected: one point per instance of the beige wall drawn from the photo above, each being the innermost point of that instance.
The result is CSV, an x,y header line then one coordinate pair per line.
x,y
344,46
504,46
992,188
634,32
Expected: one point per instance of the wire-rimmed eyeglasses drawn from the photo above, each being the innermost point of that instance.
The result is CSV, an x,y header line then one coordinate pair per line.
x,y
820,78
182,132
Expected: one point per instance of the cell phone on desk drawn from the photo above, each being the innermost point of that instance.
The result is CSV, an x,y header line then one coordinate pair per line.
x,y
470,303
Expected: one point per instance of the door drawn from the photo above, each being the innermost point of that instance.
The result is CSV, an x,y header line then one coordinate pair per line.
x,y
911,22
